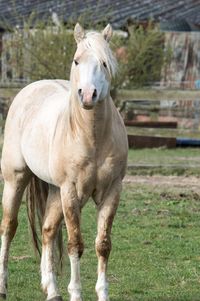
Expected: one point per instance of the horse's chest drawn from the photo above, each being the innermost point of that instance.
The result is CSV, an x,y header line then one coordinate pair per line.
x,y
90,174
106,169
83,174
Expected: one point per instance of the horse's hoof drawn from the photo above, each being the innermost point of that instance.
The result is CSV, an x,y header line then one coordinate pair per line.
x,y
57,298
2,296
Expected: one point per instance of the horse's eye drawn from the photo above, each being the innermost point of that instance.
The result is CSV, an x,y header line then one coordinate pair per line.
x,y
76,62
104,64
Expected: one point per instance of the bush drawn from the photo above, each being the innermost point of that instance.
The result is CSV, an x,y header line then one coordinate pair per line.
x,y
143,58
40,53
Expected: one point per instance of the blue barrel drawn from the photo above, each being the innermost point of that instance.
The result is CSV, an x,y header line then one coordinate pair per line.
x,y
187,142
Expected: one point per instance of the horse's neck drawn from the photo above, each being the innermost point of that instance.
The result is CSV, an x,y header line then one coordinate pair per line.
x,y
94,124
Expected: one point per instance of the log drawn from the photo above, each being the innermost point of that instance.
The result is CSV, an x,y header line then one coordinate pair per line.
x,y
150,141
152,124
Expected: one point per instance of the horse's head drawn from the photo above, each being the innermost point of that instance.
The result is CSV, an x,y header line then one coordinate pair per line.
x,y
93,66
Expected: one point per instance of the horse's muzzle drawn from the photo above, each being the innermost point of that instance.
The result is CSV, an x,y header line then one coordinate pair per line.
x,y
88,97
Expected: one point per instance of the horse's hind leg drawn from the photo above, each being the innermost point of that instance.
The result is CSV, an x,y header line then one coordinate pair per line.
x,y
53,218
15,183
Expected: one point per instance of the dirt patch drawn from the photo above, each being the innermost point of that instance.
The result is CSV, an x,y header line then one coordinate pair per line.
x,y
23,257
195,159
172,181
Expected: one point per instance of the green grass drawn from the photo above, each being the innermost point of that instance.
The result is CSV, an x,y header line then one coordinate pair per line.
x,y
163,132
178,161
157,94
155,256
164,156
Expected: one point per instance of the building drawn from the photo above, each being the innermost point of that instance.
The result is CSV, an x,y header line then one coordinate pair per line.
x,y
180,19
118,12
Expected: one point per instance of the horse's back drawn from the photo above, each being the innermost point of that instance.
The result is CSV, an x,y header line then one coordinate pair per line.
x,y
37,91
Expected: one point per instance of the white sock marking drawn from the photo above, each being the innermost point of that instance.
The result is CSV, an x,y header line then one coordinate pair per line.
x,y
102,287
74,287
48,278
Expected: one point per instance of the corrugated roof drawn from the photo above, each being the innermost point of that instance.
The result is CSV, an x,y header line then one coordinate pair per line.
x,y
118,12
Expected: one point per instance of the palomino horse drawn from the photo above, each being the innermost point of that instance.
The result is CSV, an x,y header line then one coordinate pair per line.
x,y
70,138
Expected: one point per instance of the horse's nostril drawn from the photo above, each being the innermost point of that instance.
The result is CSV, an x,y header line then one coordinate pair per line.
x,y
79,92
94,94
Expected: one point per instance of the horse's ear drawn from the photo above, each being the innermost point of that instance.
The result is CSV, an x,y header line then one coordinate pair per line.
x,y
79,33
107,32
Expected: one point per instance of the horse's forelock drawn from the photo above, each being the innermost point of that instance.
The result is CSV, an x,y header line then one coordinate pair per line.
x,y
95,42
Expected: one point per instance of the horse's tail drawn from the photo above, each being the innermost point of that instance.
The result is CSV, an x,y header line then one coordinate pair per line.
x,y
37,193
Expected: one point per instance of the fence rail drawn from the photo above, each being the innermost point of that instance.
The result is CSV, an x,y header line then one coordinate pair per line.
x,y
158,94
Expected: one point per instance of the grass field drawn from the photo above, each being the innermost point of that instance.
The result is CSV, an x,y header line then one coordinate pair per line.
x,y
178,161
156,250
165,156
163,132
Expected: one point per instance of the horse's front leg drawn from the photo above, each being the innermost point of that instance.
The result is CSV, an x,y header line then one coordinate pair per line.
x,y
52,220
72,212
106,211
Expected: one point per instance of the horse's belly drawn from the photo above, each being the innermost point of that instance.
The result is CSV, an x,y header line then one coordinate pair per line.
x,y
36,156
36,147
39,168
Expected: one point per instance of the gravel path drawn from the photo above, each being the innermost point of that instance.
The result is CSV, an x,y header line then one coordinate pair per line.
x,y
175,181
